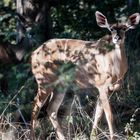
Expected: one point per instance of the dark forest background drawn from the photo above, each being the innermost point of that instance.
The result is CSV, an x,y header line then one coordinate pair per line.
x,y
24,25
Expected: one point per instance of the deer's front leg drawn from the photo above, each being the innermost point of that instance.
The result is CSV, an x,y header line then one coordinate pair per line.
x,y
116,86
98,115
107,109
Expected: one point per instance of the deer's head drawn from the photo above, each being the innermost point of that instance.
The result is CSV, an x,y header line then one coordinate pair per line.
x,y
117,30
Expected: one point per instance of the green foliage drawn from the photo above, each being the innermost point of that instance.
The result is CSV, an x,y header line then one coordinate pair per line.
x,y
7,20
76,19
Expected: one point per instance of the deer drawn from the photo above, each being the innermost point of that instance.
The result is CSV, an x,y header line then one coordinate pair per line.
x,y
101,64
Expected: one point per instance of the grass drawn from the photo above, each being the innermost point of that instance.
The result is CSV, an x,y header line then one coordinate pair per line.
x,y
76,123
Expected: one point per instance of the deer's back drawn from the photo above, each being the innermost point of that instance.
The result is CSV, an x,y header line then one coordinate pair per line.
x,y
92,63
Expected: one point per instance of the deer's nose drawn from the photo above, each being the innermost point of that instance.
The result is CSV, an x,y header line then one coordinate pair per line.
x,y
117,37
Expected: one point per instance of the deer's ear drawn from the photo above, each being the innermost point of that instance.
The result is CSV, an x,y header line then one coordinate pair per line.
x,y
133,20
101,20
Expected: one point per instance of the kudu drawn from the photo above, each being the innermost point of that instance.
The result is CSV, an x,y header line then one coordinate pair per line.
x,y
100,63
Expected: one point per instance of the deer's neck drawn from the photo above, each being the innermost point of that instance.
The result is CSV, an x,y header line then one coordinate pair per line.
x,y
119,61
119,52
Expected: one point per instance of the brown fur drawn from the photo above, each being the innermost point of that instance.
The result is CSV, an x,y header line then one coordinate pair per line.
x,y
89,57
101,64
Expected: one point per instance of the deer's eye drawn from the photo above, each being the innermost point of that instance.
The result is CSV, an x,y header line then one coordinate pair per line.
x,y
112,30
123,29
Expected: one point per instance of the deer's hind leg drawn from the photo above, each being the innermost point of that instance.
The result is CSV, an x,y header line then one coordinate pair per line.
x,y
39,101
52,111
